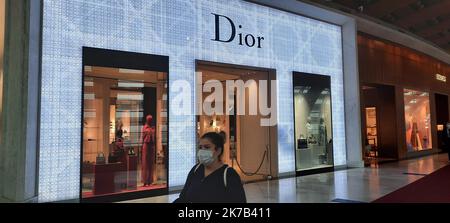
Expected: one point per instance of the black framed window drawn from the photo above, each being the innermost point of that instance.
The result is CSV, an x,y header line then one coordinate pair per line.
x,y
312,121
125,125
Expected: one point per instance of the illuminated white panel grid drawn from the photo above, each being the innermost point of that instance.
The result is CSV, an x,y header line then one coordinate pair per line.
x,y
181,30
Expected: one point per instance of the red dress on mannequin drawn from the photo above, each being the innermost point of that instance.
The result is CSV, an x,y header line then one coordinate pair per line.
x,y
148,153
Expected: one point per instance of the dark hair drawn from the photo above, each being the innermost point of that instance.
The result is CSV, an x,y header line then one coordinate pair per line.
x,y
218,139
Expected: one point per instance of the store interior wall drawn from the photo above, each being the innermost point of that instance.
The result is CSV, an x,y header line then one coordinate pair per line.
x,y
383,98
100,132
371,126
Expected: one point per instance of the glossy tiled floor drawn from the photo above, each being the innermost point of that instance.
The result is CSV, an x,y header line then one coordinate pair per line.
x,y
360,185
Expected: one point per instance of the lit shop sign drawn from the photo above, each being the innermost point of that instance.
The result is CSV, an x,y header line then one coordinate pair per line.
x,y
441,78
247,39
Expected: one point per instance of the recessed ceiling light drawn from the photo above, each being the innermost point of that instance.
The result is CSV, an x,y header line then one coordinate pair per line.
x,y
89,84
130,84
130,71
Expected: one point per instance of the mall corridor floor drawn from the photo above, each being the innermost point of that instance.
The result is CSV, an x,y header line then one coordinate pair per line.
x,y
343,186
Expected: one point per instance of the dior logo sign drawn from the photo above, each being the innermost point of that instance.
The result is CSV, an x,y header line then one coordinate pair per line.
x,y
236,34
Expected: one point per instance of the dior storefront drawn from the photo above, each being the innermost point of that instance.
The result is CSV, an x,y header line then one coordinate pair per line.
x,y
128,87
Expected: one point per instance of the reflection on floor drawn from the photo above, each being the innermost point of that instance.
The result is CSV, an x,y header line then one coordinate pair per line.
x,y
316,167
351,185
376,161
89,194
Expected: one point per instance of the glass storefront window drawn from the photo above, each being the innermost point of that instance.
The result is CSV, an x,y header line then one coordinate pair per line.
x,y
124,131
417,120
313,128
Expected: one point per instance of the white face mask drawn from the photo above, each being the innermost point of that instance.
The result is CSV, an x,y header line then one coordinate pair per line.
x,y
205,157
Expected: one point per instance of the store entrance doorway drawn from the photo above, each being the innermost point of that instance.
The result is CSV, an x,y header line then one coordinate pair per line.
x,y
379,124
249,147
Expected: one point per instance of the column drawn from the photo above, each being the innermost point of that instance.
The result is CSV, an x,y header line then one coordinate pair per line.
x,y
20,101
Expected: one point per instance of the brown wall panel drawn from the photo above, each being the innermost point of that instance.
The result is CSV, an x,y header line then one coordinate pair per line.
x,y
400,121
434,133
387,116
385,63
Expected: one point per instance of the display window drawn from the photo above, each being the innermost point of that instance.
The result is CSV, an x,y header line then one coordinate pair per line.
x,y
417,120
125,134
313,121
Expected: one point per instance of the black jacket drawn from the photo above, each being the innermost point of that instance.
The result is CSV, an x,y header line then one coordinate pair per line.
x,y
212,189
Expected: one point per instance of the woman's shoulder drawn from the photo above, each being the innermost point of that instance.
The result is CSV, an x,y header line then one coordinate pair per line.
x,y
231,171
196,167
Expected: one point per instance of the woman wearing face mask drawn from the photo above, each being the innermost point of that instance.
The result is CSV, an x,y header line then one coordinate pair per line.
x,y
212,181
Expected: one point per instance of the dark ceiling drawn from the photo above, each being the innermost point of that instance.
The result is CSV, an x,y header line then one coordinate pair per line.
x,y
429,19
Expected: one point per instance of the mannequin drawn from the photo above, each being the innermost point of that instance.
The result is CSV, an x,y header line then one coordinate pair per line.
x,y
119,130
148,151
415,138
322,133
